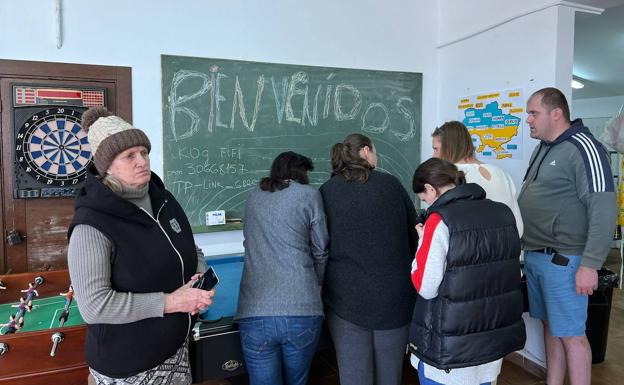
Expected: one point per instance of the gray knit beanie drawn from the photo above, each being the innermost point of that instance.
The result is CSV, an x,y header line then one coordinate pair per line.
x,y
110,135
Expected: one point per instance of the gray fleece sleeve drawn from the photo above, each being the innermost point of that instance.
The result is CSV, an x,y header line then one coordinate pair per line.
x,y
201,260
601,215
319,237
88,257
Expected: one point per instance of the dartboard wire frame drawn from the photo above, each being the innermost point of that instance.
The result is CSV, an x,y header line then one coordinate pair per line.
x,y
55,154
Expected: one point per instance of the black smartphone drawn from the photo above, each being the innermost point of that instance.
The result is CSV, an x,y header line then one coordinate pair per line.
x,y
207,281
560,260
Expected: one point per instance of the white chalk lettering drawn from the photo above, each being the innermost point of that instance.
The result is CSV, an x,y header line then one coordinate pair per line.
x,y
239,101
280,98
406,112
313,119
328,94
176,101
230,153
376,129
357,102
219,99
295,79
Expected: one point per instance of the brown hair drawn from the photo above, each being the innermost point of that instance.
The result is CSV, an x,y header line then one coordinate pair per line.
x,y
287,166
346,160
553,98
438,173
455,141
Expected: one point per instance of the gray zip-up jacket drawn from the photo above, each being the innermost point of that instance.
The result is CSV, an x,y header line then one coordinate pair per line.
x,y
568,199
285,253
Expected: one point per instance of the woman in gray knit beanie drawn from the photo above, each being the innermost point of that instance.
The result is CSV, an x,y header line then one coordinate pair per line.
x,y
132,261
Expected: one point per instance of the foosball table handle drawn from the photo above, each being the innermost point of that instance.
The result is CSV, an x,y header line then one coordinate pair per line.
x,y
57,338
4,347
39,281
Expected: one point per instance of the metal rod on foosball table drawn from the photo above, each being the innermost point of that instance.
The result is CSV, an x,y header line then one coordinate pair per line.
x,y
57,338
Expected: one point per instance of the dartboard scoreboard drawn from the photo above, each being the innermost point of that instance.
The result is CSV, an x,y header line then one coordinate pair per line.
x,y
51,149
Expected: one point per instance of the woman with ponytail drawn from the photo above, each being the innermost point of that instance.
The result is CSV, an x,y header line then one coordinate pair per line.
x,y
467,273
367,294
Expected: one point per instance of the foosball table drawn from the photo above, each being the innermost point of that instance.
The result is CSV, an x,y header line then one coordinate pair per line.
x,y
41,332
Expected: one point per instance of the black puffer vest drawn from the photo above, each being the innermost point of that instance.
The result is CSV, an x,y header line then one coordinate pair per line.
x,y
150,254
477,316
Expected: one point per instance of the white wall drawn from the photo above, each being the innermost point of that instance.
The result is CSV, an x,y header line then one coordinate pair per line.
x,y
518,54
606,107
395,35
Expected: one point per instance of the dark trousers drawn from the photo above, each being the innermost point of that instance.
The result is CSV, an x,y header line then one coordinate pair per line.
x,y
367,356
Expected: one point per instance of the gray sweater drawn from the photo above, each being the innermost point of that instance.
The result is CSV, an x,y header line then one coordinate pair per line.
x,y
88,257
567,199
285,253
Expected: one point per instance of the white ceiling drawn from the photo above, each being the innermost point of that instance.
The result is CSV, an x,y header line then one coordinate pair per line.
x,y
599,50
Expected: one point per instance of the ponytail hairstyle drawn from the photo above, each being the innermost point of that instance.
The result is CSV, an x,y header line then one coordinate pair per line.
x,y
455,141
346,160
438,173
287,166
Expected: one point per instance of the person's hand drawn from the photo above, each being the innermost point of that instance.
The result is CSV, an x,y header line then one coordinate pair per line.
x,y
586,280
188,300
195,277
420,229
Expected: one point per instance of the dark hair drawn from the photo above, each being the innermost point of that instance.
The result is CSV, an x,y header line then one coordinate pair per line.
x,y
438,173
455,141
346,160
287,166
553,98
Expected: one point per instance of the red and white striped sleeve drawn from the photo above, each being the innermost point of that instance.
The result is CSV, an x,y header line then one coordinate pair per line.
x,y
430,263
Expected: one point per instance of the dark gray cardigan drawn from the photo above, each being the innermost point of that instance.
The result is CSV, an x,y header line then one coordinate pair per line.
x,y
373,242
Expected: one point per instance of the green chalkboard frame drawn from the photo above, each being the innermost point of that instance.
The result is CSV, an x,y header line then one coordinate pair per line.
x,y
225,120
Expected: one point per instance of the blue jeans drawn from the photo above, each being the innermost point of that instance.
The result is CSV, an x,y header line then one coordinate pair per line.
x,y
279,350
427,381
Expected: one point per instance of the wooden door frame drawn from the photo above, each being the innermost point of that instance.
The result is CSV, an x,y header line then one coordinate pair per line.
x,y
46,71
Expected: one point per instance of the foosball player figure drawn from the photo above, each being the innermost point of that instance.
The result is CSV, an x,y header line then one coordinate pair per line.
x,y
68,300
23,306
69,295
12,325
31,292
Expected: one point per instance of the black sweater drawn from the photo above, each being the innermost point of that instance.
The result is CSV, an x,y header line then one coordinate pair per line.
x,y
372,245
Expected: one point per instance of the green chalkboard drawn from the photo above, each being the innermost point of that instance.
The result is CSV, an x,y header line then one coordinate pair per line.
x,y
224,121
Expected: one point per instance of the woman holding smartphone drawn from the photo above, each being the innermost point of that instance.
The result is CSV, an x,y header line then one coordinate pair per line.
x,y
467,273
280,312
132,260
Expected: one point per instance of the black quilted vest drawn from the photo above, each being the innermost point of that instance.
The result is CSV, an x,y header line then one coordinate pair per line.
x,y
144,259
477,316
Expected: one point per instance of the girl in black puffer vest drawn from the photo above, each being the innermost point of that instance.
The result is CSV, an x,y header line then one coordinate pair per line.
x,y
467,273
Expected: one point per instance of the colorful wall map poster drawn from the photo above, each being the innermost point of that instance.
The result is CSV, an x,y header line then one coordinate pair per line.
x,y
494,121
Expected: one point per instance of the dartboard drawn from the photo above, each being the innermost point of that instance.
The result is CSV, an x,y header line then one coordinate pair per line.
x,y
52,147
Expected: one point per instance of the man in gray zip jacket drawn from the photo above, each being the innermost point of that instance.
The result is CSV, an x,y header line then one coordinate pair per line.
x,y
568,206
